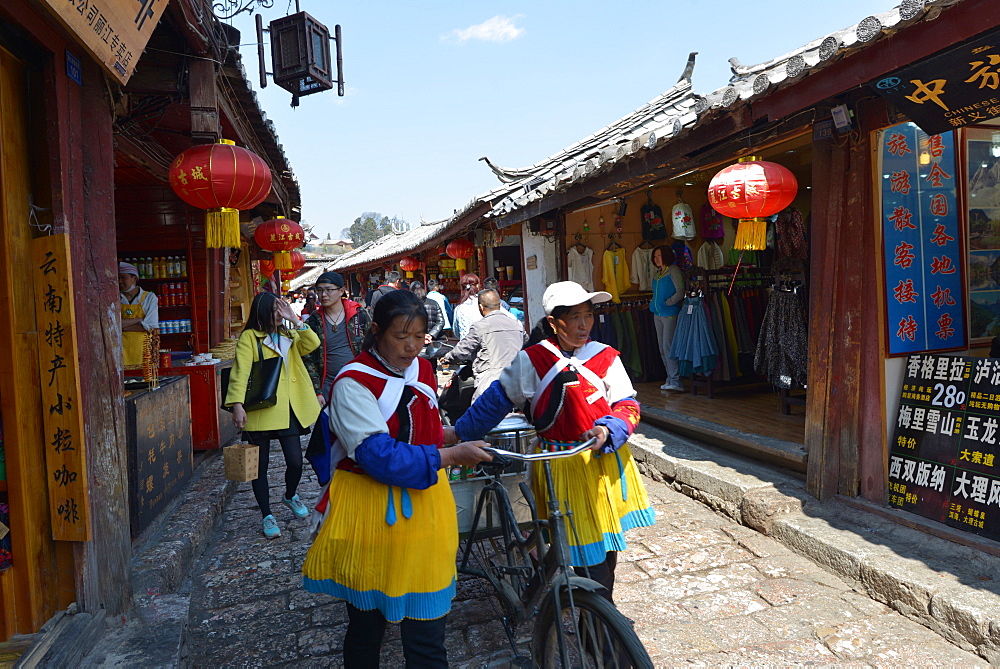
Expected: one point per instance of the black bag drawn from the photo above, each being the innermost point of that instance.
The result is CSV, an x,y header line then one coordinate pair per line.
x,y
262,386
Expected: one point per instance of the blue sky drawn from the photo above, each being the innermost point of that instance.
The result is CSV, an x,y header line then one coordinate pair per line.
x,y
431,87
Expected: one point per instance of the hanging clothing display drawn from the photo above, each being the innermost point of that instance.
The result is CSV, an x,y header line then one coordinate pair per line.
x,y
628,327
581,266
682,256
712,223
652,222
694,343
643,269
615,273
710,256
791,247
683,218
782,355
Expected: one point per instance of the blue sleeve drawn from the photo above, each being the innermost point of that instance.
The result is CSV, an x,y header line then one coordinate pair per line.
x,y
485,413
618,433
394,462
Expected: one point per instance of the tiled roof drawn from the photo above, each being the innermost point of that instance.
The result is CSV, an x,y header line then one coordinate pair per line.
x,y
392,244
680,109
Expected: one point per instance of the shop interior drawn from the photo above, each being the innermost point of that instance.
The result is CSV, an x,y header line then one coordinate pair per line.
x,y
734,394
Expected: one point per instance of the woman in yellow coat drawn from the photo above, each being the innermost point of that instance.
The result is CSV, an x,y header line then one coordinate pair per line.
x,y
296,409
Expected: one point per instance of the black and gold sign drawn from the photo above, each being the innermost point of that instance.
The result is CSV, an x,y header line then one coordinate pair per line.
x,y
160,458
954,89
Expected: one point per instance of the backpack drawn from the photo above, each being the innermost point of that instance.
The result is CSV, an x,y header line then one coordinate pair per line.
x,y
652,222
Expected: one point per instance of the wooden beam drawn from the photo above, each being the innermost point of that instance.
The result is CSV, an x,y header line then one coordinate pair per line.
x,y
908,45
203,91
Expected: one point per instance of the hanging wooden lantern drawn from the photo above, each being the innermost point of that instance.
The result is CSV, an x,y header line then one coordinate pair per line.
x,y
752,190
460,249
409,265
223,179
279,235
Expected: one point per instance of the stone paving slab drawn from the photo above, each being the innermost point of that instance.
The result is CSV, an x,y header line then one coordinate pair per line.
x,y
700,588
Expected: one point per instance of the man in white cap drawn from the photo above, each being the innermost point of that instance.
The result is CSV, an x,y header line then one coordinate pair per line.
x,y
140,313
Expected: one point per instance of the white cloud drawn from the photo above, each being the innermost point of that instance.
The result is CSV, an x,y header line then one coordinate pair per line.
x,y
498,29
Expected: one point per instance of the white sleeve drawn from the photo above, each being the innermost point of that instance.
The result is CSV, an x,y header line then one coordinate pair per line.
x,y
519,380
636,263
617,382
354,414
151,309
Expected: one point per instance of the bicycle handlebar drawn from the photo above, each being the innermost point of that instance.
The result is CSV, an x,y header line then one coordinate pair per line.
x,y
545,455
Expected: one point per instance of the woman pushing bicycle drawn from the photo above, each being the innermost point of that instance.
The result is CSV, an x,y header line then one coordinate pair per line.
x,y
572,389
389,536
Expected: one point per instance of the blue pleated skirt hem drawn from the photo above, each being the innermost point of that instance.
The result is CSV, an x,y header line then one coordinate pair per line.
x,y
595,553
414,605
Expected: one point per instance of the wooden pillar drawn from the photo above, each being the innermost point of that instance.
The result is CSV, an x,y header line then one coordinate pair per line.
x,y
104,562
844,318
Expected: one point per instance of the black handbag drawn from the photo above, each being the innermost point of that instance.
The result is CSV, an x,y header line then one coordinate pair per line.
x,y
262,386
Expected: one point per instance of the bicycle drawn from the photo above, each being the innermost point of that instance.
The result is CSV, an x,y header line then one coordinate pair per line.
x,y
527,564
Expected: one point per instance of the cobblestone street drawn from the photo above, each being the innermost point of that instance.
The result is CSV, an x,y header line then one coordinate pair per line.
x,y
700,588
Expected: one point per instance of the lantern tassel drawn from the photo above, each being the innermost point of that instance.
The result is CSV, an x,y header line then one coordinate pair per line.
x,y
751,234
460,264
222,228
282,260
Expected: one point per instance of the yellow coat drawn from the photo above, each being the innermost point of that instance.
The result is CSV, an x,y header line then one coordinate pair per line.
x,y
295,388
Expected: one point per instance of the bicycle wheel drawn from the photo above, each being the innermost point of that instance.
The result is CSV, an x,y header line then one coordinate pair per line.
x,y
590,632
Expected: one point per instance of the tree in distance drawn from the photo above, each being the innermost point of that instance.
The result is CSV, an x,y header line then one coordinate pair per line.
x,y
371,225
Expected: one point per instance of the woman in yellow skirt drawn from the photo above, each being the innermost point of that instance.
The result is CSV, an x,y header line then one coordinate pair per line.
x,y
572,389
388,538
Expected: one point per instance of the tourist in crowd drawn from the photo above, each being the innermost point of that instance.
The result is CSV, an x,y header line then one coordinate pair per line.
x,y
265,336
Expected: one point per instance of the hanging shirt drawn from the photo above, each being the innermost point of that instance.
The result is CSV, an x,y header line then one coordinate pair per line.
x,y
581,267
710,256
615,273
643,270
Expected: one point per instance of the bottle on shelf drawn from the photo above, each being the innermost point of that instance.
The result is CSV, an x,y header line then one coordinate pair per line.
x,y
184,267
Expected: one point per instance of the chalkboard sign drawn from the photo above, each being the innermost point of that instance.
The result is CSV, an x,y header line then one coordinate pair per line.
x,y
943,459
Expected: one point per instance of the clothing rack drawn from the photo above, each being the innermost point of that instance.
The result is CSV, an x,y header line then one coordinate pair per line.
x,y
726,278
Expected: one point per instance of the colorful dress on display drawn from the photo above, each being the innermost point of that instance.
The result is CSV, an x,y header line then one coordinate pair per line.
x,y
565,396
384,546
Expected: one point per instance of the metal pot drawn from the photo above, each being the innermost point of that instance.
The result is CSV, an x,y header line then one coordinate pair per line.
x,y
514,433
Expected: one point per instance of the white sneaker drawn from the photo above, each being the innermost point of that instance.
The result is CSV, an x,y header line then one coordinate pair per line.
x,y
665,386
675,387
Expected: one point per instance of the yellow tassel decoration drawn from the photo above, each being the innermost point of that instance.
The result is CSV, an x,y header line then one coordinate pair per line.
x,y
282,260
222,228
751,234
460,264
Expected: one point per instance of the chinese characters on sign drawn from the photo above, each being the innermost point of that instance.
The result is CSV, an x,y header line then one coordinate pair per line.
x,y
943,459
923,268
65,456
958,88
115,32
160,457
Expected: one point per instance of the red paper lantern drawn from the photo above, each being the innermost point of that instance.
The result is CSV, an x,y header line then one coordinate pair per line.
x,y
459,249
298,261
752,190
279,235
222,178
409,265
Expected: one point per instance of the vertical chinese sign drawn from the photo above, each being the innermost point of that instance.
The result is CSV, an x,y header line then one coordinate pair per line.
x,y
944,460
59,376
925,305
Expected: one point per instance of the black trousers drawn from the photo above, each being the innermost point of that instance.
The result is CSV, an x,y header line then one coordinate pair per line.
x,y
603,573
423,641
291,446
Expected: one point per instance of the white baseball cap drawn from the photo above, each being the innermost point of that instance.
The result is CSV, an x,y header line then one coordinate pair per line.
x,y
569,294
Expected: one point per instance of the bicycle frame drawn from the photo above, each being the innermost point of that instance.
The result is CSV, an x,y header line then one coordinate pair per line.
x,y
553,556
